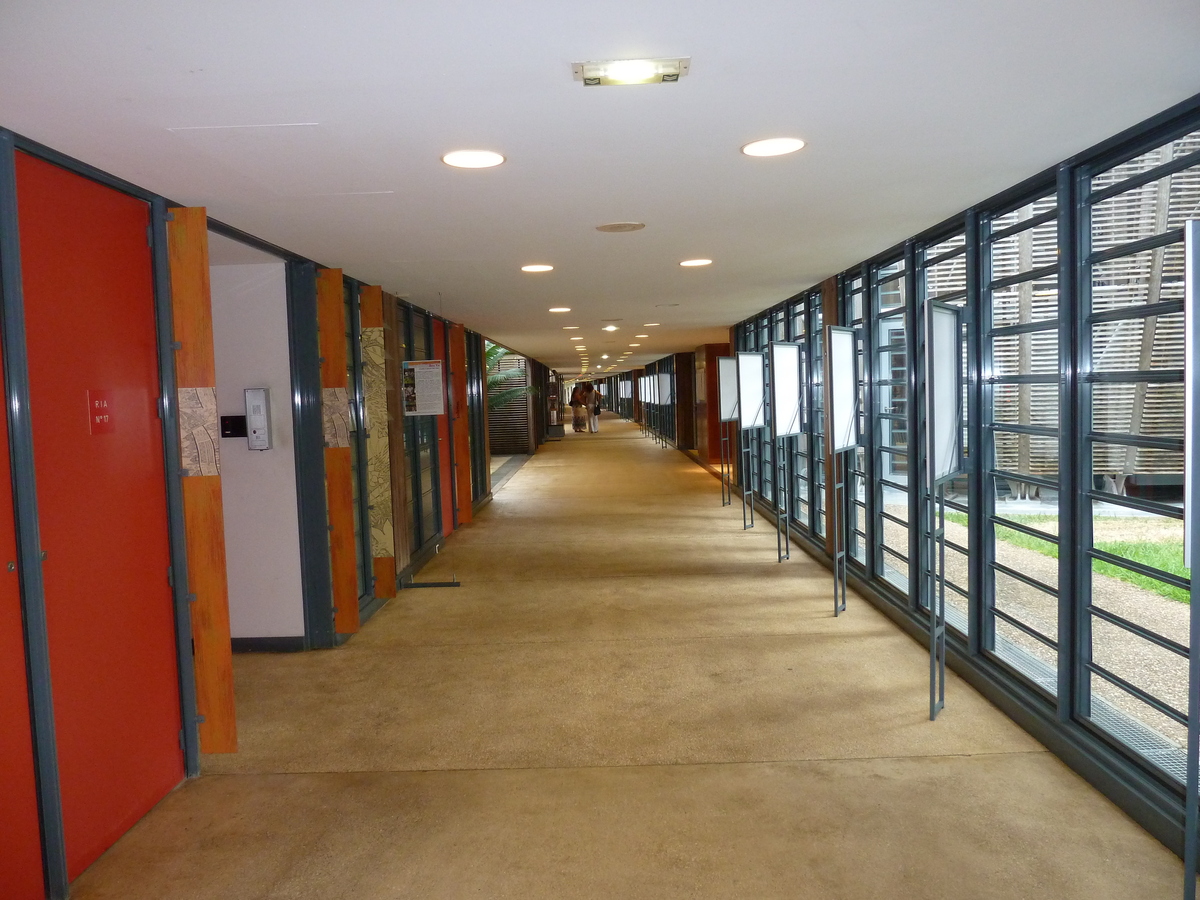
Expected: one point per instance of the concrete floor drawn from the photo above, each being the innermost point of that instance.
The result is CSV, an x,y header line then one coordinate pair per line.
x,y
626,698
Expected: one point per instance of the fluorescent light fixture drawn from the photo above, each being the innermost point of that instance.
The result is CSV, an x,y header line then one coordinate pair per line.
x,y
537,268
609,328
635,345
560,309
641,335
662,70
690,263
650,325
773,147
570,328
472,159
577,339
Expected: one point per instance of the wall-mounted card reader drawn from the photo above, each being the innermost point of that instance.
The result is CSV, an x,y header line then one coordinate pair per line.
x,y
258,418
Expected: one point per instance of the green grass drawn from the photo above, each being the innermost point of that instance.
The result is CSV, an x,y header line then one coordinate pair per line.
x,y
1165,556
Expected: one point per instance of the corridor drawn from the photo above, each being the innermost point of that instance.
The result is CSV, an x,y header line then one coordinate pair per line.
x,y
627,697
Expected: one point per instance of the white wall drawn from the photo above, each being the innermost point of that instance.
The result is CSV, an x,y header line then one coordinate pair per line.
x,y
262,537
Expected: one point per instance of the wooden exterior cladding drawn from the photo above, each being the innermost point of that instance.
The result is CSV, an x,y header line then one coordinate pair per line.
x,y
203,508
708,406
339,491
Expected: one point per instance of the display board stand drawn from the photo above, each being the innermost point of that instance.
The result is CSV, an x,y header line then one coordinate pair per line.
x,y
842,383
752,408
1191,549
726,466
783,504
839,529
747,487
943,462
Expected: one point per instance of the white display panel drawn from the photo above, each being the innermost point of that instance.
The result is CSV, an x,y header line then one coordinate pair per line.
x,y
946,382
843,387
666,388
752,380
786,418
727,389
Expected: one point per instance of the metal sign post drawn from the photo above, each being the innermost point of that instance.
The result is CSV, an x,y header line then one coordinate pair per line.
x,y
786,421
752,402
943,462
727,402
1191,549
842,346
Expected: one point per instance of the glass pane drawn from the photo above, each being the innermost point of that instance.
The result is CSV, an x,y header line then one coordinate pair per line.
x,y
1026,454
1033,557
1138,471
895,535
948,277
1027,655
1027,604
1155,410
894,569
1032,248
1024,213
1155,541
1033,353
891,294
1142,601
1141,344
1157,671
1152,276
1028,301
1025,404
956,242
1146,210
1149,160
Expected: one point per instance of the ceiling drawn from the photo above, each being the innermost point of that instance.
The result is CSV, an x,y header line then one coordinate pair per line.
x,y
912,110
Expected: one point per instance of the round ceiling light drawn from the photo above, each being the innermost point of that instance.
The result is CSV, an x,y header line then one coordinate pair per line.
x,y
537,268
609,328
773,147
621,227
560,309
472,159
690,263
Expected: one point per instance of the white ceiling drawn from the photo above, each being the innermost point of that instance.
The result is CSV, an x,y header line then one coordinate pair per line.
x,y
913,110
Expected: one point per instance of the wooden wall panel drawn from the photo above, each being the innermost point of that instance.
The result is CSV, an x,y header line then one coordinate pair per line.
x,y
685,401
445,468
380,510
708,405
203,509
339,489
393,343
460,422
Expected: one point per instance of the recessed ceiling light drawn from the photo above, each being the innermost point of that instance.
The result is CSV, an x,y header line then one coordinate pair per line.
x,y
661,305
537,268
773,147
635,345
641,335
570,328
696,262
473,159
621,227
604,356
609,328
576,339
650,325
560,309
631,71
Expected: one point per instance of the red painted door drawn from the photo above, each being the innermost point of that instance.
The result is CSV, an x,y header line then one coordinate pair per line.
x,y
20,837
89,307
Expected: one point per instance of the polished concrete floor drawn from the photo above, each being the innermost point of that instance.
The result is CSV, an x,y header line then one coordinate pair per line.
x,y
627,697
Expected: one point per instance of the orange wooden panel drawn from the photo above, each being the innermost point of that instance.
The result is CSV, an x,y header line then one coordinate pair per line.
x,y
191,299
460,424
385,576
204,526
203,508
370,306
331,322
443,427
343,559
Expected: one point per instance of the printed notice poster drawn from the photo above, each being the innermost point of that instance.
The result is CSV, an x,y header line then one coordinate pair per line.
x,y
421,387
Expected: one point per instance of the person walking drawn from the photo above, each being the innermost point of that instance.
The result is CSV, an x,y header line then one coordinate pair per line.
x,y
579,415
591,401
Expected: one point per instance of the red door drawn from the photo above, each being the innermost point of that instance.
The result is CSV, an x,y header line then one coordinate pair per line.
x,y
98,452
21,859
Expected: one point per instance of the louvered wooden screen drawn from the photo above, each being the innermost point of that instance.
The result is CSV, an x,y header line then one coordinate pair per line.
x,y
508,426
